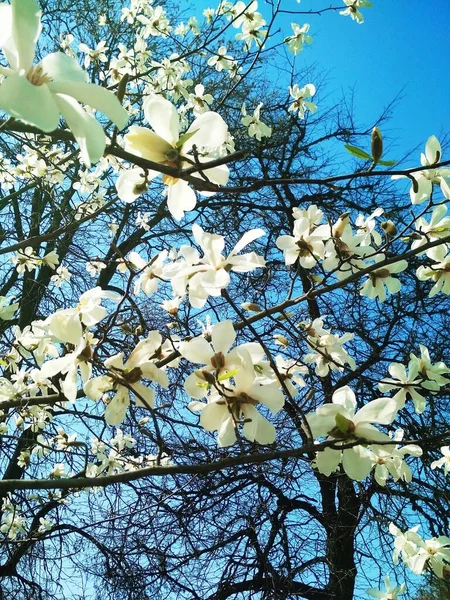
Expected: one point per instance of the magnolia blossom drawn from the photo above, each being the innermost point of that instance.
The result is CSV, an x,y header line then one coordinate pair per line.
x,y
443,462
390,461
439,271
306,243
165,146
296,41
424,180
381,279
209,275
232,404
352,10
38,94
406,384
419,554
392,591
150,272
67,324
339,422
299,95
256,128
125,377
437,228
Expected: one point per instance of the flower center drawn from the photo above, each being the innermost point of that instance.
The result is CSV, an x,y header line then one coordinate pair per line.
x,y
36,76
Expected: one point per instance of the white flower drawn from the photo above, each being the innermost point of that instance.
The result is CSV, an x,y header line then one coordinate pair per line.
x,y
444,461
7,310
378,280
424,180
235,404
209,275
125,377
300,104
338,421
295,42
38,94
439,272
392,591
352,10
256,128
164,145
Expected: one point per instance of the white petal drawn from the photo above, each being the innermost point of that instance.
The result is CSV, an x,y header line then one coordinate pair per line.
x,y
246,239
433,150
30,103
258,428
93,95
163,118
180,199
197,350
382,410
223,336
346,398
213,415
210,131
328,460
356,462
86,129
145,396
116,410
26,30
143,142
61,67
95,388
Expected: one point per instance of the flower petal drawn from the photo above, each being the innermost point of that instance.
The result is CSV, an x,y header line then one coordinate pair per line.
x,y
93,95
86,129
163,118
143,142
210,131
61,67
30,103
26,28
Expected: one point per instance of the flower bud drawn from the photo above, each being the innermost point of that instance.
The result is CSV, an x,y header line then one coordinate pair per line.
x,y
389,228
377,145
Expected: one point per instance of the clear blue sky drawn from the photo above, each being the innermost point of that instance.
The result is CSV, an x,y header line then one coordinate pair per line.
x,y
402,47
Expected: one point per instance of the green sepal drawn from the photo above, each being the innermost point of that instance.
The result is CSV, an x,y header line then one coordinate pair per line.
x,y
357,152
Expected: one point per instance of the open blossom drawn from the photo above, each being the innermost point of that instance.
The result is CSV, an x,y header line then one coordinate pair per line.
x,y
339,421
209,275
233,402
67,324
326,349
419,554
392,591
126,377
381,279
296,41
38,94
353,7
424,180
165,146
306,243
443,462
437,228
439,271
299,95
256,128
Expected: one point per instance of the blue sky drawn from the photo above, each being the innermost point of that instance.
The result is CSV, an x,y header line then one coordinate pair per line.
x,y
402,48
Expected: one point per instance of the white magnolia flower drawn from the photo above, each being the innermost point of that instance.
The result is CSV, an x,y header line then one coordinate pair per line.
x,y
406,384
209,275
125,377
392,591
296,41
235,404
165,146
381,279
38,94
299,95
439,271
338,421
67,324
437,228
256,128
443,462
352,10
306,243
424,180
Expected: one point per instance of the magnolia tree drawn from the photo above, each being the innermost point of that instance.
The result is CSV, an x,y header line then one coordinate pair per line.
x,y
223,363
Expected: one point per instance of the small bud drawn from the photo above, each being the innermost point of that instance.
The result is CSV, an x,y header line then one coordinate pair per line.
x,y
251,307
341,224
218,360
207,376
377,145
389,228
281,339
